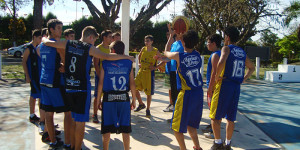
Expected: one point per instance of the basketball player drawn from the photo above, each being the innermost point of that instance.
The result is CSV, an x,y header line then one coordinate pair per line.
x,y
116,102
229,76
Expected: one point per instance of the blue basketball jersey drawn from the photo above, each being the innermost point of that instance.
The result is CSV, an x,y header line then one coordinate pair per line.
x,y
50,63
189,71
235,64
77,65
176,47
209,66
116,75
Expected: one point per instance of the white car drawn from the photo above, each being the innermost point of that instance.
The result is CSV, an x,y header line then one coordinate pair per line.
x,y
17,51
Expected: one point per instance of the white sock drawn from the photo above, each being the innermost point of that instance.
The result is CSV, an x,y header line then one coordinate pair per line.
x,y
227,142
218,141
32,115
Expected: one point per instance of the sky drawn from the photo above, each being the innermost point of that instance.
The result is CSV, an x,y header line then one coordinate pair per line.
x,y
65,10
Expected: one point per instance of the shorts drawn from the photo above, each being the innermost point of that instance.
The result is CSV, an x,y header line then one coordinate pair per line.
x,y
188,110
53,99
96,85
225,100
35,91
116,113
144,81
80,103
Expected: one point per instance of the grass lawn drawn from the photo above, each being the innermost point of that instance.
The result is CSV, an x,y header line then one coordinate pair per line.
x,y
16,72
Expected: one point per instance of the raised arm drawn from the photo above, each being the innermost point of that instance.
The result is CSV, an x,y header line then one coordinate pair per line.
x,y
250,67
132,89
172,55
100,87
170,40
97,53
24,63
221,64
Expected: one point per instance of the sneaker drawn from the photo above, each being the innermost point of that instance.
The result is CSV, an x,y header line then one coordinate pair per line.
x,y
67,147
148,113
140,107
227,147
207,129
46,138
209,135
95,118
56,145
41,127
57,132
217,146
170,108
34,119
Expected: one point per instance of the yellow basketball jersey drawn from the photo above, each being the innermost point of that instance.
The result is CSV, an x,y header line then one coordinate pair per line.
x,y
147,59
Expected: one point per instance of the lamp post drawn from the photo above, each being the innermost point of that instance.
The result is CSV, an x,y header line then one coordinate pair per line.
x,y
82,11
76,6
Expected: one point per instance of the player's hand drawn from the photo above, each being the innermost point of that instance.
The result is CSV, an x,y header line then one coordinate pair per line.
x,y
140,65
100,106
132,106
152,68
161,69
28,79
171,31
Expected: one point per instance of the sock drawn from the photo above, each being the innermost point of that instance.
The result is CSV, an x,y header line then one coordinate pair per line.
x,y
218,141
227,142
32,115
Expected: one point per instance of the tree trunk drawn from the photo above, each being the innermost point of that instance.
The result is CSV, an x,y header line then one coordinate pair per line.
x,y
14,24
38,14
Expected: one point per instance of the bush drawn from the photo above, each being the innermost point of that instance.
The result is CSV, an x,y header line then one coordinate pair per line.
x,y
275,64
293,60
206,57
5,44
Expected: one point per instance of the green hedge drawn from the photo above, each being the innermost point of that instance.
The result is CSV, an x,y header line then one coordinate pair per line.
x,y
133,53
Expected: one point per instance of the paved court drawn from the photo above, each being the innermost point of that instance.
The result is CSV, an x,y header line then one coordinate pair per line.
x,y
148,134
275,109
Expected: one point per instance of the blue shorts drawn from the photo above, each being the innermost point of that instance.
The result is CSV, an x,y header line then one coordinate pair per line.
x,y
188,110
35,91
96,85
225,100
80,105
53,99
115,115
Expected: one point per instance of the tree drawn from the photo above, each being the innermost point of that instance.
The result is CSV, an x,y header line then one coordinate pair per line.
x,y
212,16
289,46
107,18
38,14
292,12
268,39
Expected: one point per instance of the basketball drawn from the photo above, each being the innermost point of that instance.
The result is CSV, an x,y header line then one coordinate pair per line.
x,y
180,24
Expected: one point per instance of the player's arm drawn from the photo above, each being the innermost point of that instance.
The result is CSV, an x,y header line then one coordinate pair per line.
x,y
96,65
140,56
171,39
221,64
250,67
214,63
24,63
38,51
62,54
172,55
55,44
132,89
100,87
112,56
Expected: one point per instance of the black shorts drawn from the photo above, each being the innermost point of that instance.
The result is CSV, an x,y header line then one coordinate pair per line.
x,y
173,83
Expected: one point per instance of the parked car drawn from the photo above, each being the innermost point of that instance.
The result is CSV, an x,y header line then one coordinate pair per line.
x,y
17,51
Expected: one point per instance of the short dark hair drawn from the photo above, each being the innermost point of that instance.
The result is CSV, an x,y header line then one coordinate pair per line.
x,y
69,31
233,33
45,32
118,46
116,34
105,33
190,38
88,31
150,37
36,33
52,24
217,38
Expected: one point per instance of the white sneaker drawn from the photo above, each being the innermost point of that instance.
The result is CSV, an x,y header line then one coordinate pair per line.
x,y
41,127
170,108
209,135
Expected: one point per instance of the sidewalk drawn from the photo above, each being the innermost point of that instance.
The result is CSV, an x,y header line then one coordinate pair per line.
x,y
148,134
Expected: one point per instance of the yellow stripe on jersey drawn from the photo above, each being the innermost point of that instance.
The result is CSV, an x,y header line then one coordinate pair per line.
x,y
215,97
184,86
178,111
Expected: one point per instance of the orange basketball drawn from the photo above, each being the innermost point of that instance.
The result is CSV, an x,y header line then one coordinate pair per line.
x,y
180,24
